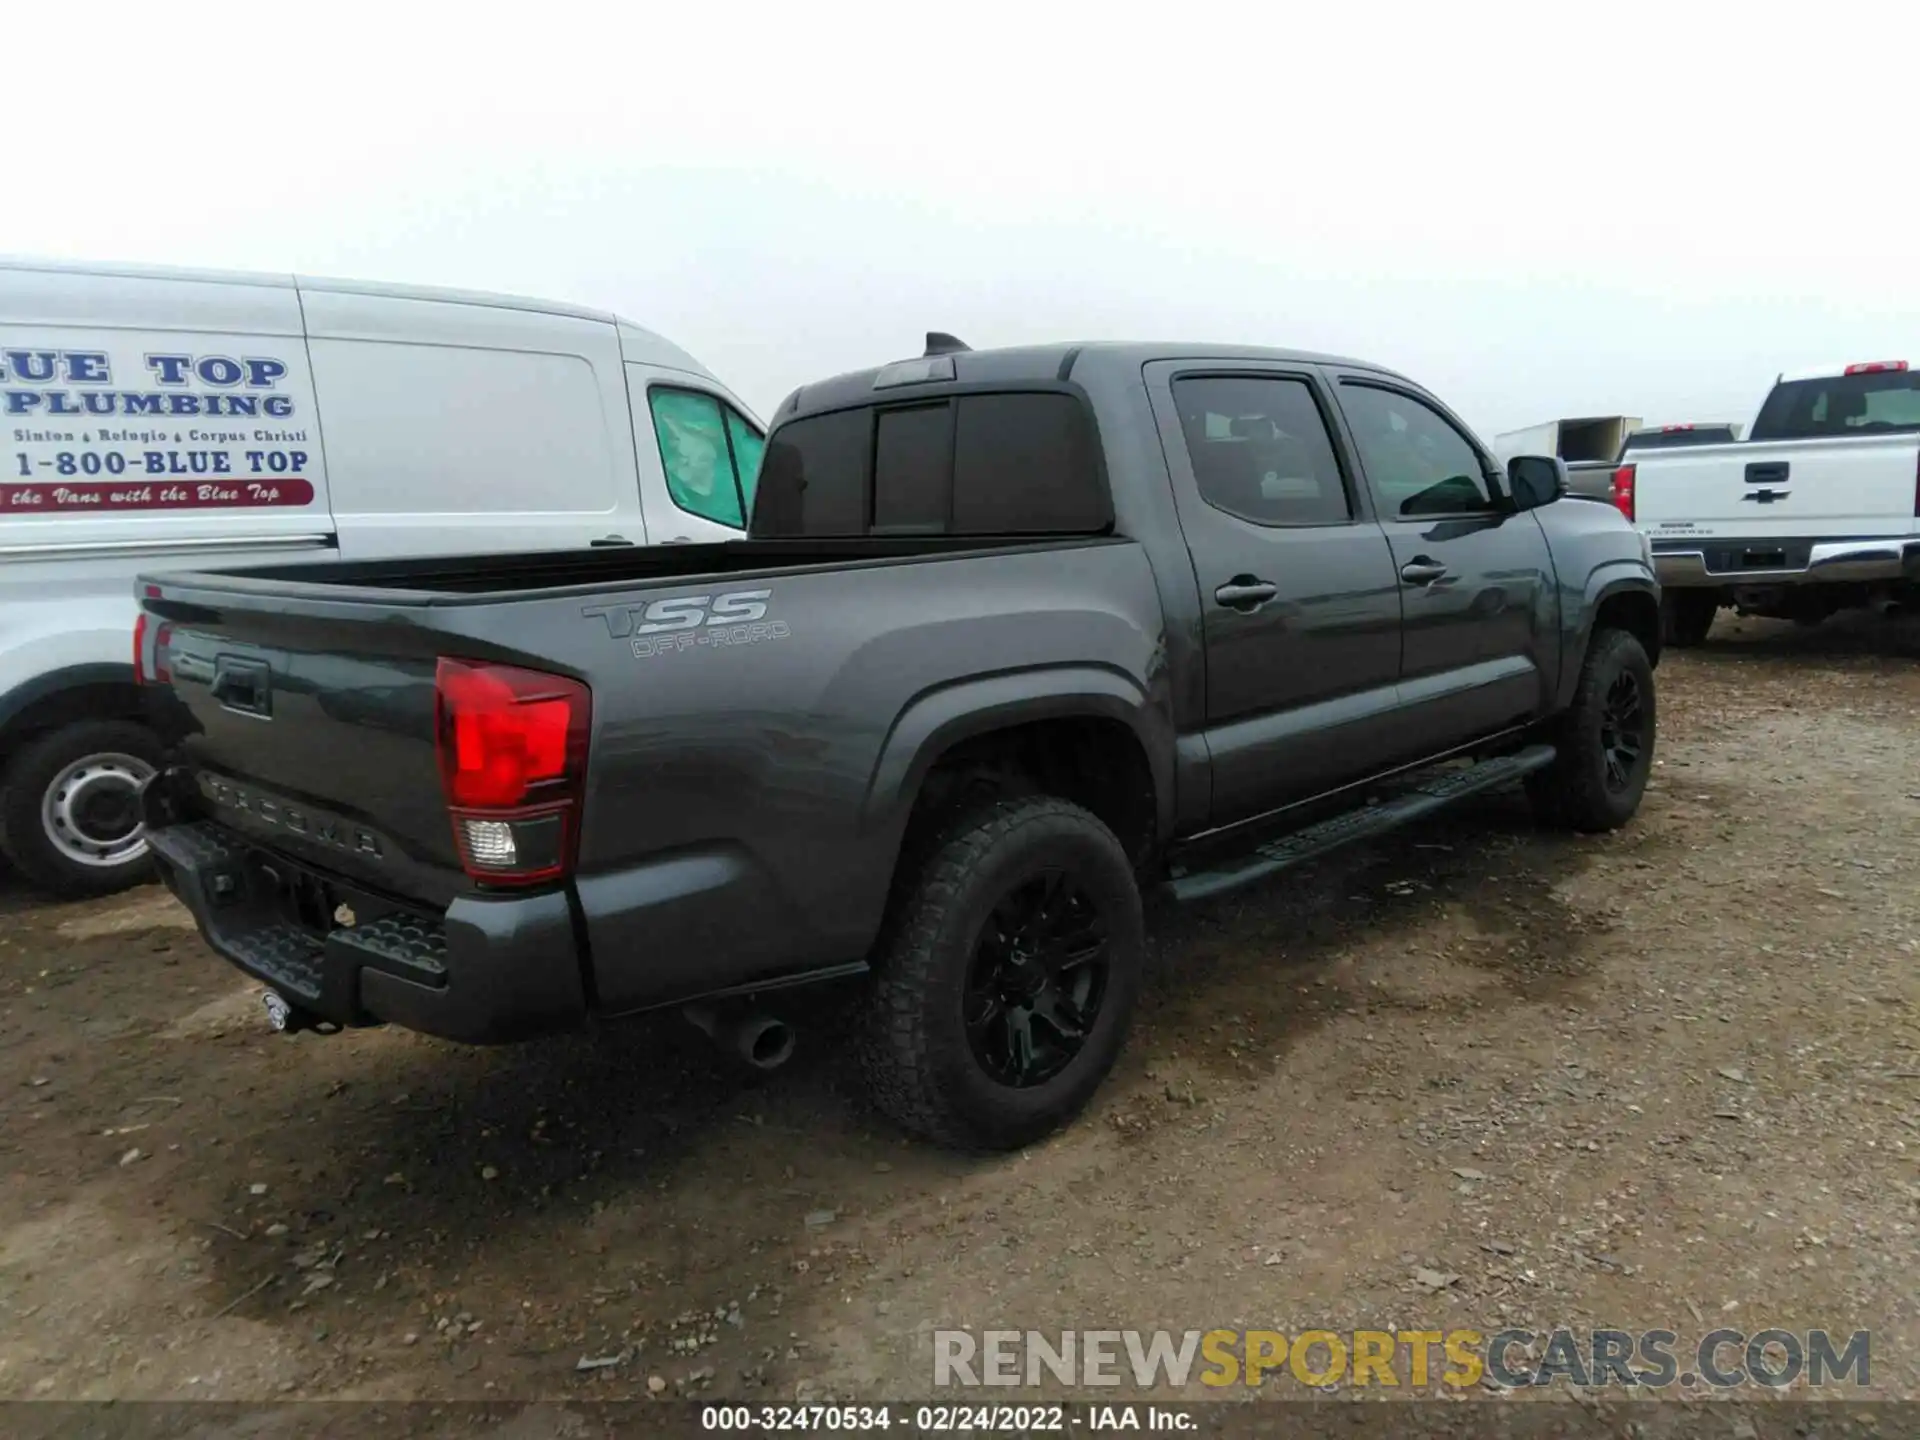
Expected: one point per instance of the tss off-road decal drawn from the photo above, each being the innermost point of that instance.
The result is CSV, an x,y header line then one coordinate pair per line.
x,y
687,622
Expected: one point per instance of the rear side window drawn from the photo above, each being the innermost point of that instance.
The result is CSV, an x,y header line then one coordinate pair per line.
x,y
1012,464
700,452
1880,402
1024,465
1260,449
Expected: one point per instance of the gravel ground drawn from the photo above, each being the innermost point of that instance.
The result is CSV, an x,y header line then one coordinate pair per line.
x,y
1475,1076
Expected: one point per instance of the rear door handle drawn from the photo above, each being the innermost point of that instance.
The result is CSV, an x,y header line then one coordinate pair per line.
x,y
611,540
1421,572
1246,592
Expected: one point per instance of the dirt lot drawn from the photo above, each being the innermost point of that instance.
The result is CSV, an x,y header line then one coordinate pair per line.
x,y
1668,1078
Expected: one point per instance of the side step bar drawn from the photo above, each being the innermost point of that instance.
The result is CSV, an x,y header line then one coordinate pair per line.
x,y
1361,824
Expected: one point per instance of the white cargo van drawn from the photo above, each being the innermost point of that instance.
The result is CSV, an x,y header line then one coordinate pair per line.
x,y
153,417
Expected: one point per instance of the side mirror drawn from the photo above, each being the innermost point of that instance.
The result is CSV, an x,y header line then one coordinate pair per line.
x,y
1535,480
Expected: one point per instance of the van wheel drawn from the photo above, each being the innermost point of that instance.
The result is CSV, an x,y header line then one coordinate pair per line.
x,y
1605,741
1687,616
1005,977
71,808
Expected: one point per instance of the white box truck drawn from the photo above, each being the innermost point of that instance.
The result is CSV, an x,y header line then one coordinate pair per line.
x,y
152,418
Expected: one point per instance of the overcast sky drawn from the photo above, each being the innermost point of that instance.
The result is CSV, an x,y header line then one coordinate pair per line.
x,y
1538,210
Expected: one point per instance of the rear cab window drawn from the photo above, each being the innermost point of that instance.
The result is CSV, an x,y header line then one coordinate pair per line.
x,y
1012,463
1874,402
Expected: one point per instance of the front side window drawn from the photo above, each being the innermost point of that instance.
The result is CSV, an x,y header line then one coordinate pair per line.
x,y
1417,463
1260,449
701,451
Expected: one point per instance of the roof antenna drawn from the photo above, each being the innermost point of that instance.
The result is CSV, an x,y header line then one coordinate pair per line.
x,y
941,343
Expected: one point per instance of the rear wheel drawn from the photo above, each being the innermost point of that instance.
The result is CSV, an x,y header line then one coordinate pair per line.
x,y
1605,740
71,808
1006,977
1687,616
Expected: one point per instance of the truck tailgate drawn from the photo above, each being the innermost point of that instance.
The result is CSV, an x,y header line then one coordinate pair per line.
x,y
1849,487
315,734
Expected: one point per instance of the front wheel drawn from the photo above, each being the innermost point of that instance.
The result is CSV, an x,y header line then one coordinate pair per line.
x,y
71,808
1605,740
1005,979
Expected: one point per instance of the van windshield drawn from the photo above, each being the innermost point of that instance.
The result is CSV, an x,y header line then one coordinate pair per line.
x,y
1876,403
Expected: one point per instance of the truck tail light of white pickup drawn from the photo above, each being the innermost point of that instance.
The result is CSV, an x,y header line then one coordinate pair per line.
x,y
512,745
1623,490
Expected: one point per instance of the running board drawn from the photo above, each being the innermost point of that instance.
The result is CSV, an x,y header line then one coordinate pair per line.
x,y
1361,824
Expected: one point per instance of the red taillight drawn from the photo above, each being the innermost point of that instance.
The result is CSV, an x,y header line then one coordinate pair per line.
x,y
1623,490
150,664
513,756
1874,367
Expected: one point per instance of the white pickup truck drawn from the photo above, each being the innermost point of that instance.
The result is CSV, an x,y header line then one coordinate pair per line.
x,y
1817,510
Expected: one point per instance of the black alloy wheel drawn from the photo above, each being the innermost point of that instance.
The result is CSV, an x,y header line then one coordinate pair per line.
x,y
1623,730
1037,980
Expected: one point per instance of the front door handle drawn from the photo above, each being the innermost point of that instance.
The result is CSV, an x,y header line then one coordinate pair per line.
x,y
611,540
1421,571
1246,593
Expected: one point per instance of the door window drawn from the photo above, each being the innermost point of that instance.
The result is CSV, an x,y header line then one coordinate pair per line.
x,y
1417,462
1260,449
700,449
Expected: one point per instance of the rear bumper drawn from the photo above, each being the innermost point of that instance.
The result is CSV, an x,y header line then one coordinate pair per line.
x,y
487,970
1694,564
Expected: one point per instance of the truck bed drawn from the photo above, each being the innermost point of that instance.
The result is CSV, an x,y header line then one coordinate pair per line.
x,y
740,692
482,579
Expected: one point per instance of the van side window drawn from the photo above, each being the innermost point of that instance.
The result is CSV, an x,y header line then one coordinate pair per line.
x,y
700,444
749,446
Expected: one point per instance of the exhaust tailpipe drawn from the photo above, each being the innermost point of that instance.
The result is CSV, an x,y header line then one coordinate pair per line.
x,y
757,1040
281,1016
286,1018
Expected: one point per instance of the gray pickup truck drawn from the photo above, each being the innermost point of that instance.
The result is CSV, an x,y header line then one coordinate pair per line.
x,y
1014,635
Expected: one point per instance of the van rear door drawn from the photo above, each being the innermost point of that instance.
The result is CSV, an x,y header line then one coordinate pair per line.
x,y
147,415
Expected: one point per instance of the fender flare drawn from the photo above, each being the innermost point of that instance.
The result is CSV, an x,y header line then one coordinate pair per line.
x,y
23,697
937,720
1602,586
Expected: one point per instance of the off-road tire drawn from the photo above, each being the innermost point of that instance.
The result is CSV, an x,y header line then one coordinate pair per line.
x,y
919,1068
32,769
1573,793
1686,616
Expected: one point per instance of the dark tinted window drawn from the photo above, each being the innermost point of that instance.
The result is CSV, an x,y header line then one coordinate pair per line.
x,y
1260,450
913,470
813,477
1674,439
973,465
1024,464
1877,403
1416,461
